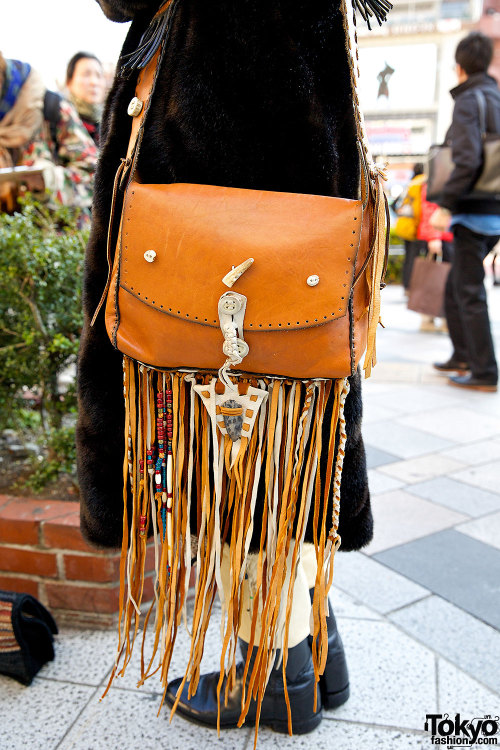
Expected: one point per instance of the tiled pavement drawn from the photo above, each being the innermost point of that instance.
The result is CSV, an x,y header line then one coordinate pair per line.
x,y
419,609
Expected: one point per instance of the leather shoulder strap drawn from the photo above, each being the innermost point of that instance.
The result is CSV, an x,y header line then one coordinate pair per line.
x,y
143,94
153,51
481,103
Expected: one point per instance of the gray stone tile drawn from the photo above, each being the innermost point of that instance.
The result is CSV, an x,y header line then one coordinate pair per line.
x,y
458,568
402,441
457,495
379,483
467,642
419,469
395,370
372,390
83,656
377,412
400,517
486,476
375,457
38,716
459,424
392,677
210,661
485,529
438,396
126,719
346,607
430,376
412,399
374,584
345,735
485,403
459,693
473,454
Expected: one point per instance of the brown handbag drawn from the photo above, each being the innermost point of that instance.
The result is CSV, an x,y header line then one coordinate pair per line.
x,y
306,289
240,314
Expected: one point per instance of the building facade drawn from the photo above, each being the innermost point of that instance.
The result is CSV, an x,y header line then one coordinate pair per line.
x,y
407,69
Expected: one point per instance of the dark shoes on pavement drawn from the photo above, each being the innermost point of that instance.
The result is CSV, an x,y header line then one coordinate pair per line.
x,y
202,707
476,384
333,690
451,365
464,379
334,682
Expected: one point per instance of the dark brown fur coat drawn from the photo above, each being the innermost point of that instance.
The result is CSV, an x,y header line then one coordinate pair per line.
x,y
252,94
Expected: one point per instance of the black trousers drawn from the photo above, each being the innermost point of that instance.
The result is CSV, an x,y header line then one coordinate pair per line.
x,y
413,249
466,305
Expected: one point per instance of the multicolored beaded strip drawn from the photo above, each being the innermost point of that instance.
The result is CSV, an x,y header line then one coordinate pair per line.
x,y
161,465
163,469
170,526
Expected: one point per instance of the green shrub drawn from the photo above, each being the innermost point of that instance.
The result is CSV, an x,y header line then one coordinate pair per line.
x,y
41,260
394,274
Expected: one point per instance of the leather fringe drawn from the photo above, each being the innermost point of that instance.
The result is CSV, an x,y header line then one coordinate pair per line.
x,y
378,268
178,453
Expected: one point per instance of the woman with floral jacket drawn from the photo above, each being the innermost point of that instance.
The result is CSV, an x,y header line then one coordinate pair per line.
x,y
65,153
68,160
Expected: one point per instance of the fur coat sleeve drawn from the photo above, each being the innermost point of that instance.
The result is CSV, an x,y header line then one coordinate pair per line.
x,y
253,94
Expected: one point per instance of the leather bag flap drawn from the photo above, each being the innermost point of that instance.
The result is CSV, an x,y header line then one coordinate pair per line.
x,y
197,233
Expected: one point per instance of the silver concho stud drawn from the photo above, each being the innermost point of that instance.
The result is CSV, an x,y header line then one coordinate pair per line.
x,y
135,107
150,255
313,280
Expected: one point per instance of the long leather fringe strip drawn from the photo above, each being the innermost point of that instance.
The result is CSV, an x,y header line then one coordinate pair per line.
x,y
375,281
199,460
325,553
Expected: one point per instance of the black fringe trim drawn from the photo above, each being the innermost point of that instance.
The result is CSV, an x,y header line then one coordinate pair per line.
x,y
373,9
157,32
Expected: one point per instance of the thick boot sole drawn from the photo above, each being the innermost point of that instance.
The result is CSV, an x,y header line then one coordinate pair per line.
x,y
303,726
298,727
334,700
303,721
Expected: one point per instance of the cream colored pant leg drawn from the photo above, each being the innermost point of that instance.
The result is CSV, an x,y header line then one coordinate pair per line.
x,y
301,606
308,560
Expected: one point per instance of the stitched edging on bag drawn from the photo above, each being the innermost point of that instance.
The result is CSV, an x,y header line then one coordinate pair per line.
x,y
261,328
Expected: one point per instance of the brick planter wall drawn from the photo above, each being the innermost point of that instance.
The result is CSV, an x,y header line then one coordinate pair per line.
x,y
43,553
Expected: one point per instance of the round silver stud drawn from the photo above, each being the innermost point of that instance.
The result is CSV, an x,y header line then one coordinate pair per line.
x,y
135,107
313,280
150,256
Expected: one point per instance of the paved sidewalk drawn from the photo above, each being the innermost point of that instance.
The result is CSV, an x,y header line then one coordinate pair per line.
x,y
419,609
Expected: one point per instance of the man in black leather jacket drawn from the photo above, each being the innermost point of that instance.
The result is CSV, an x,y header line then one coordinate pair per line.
x,y
475,218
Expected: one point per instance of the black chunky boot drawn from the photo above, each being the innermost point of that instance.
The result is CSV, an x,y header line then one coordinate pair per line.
x,y
202,707
334,682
